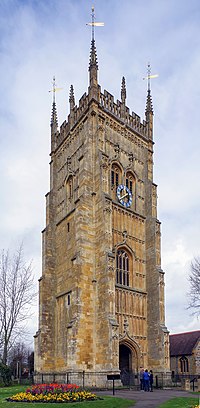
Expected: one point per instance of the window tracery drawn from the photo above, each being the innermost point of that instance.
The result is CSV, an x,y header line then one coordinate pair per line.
x,y
122,268
130,181
115,176
184,364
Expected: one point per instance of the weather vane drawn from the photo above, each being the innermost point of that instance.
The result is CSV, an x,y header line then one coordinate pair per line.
x,y
54,89
149,75
94,23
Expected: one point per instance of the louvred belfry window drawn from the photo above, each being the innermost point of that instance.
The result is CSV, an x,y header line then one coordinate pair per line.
x,y
122,268
115,176
130,181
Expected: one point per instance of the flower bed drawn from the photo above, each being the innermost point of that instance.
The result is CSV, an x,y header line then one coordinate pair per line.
x,y
52,388
53,393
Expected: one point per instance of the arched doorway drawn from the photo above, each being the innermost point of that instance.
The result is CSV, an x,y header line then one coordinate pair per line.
x,y
125,358
128,363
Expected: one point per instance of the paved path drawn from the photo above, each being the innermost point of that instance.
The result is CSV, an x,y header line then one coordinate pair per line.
x,y
148,399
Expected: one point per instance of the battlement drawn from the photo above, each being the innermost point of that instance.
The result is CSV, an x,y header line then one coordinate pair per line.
x,y
73,118
106,101
83,105
120,111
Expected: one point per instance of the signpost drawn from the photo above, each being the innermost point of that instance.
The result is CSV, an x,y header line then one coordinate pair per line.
x,y
113,377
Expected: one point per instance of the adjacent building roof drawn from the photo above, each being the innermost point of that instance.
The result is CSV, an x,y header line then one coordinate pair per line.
x,y
183,343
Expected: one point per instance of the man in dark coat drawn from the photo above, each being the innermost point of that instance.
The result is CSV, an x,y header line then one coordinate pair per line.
x,y
151,380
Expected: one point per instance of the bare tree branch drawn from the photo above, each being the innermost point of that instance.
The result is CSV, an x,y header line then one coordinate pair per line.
x,y
16,297
194,284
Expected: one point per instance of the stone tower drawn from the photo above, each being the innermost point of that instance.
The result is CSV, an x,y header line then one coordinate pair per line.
x,y
101,294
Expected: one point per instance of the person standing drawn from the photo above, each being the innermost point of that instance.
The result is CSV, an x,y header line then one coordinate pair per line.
x,y
146,380
151,380
141,379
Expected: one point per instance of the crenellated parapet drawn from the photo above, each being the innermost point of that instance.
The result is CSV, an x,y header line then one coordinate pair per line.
x,y
75,115
123,112
106,102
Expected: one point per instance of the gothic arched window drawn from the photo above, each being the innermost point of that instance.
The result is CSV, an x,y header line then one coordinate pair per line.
x,y
122,267
130,181
184,364
115,176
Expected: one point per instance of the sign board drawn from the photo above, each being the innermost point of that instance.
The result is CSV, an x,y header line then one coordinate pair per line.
x,y
113,377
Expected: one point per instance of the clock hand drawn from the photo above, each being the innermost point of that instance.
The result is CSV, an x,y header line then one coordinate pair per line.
x,y
123,196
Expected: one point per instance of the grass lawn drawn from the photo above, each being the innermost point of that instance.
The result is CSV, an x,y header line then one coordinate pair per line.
x,y
107,402
180,403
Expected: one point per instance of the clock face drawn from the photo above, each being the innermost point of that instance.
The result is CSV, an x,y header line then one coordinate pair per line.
x,y
124,195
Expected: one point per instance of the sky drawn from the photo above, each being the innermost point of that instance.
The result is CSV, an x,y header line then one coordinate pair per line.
x,y
40,39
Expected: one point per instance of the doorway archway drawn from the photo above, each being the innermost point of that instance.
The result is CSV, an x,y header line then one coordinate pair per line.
x,y
128,361
125,358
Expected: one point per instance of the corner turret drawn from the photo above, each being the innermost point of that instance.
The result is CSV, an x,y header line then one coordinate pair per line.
x,y
93,66
149,114
94,89
123,91
72,105
149,105
123,98
54,118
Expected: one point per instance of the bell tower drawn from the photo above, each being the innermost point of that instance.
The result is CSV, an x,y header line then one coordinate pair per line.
x,y
101,294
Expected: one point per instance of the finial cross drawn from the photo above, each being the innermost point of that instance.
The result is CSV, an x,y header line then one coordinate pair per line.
x,y
54,89
149,76
94,23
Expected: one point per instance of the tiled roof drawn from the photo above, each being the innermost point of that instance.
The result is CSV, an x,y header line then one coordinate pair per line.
x,y
183,343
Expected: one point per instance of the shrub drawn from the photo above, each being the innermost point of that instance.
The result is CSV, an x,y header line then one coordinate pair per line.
x,y
5,375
